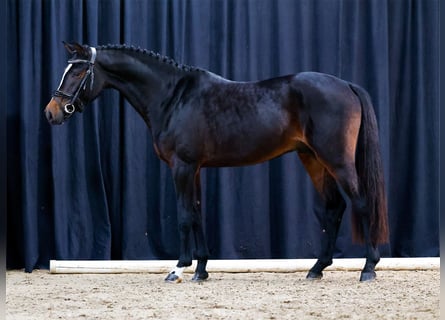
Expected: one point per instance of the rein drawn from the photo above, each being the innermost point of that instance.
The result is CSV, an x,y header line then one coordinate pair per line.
x,y
70,107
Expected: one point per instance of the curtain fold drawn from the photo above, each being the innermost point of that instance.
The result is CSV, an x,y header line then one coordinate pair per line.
x,y
94,188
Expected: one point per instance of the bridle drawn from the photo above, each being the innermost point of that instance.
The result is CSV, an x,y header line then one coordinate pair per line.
x,y
70,107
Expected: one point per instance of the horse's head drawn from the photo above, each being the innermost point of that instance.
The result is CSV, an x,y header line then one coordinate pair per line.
x,y
77,86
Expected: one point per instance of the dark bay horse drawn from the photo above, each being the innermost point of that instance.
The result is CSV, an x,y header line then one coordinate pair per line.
x,y
198,119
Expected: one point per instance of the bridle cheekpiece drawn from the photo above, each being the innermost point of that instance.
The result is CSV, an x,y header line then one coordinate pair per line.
x,y
70,107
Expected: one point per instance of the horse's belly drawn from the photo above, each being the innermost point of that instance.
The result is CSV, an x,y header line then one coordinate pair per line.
x,y
248,149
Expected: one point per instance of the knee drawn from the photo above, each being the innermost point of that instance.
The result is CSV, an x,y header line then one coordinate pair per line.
x,y
185,225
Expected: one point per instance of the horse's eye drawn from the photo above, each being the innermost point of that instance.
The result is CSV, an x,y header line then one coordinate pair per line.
x,y
77,74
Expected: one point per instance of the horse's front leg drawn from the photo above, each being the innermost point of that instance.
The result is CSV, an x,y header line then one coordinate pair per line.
x,y
202,252
189,219
183,177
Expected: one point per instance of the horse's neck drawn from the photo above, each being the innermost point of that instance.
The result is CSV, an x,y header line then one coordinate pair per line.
x,y
145,83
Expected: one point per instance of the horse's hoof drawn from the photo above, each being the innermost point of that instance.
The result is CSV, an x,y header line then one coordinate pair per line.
x,y
200,276
314,276
173,278
367,276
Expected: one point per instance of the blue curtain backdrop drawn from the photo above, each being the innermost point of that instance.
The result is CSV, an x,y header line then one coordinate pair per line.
x,y
94,189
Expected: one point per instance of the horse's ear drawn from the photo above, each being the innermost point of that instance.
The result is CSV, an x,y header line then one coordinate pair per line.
x,y
74,47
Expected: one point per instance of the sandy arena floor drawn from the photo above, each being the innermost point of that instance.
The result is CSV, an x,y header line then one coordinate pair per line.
x,y
394,295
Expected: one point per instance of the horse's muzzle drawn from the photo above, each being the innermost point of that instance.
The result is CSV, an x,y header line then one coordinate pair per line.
x,y
53,113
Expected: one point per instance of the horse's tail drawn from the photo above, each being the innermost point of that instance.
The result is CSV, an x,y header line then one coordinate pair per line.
x,y
369,167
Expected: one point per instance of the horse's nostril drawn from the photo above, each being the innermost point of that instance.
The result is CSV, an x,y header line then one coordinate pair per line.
x,y
49,115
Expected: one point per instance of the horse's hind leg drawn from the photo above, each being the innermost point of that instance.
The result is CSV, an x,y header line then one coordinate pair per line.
x,y
330,217
346,175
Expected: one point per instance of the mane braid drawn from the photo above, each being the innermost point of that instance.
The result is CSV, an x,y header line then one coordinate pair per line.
x,y
157,56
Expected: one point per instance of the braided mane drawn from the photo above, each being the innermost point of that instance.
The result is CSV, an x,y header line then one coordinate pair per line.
x,y
155,55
